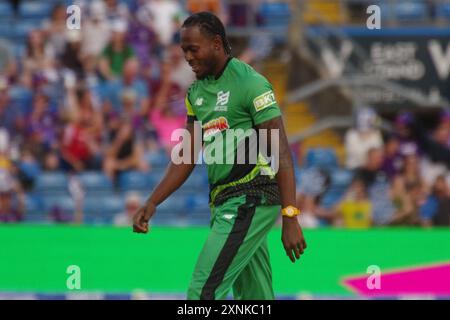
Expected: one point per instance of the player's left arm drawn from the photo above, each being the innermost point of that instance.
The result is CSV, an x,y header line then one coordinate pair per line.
x,y
266,114
292,236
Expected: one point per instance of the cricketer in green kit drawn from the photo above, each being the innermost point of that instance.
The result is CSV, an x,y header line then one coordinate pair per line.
x,y
245,197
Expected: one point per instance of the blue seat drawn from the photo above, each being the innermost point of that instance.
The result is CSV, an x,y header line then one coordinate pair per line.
x,y
158,159
197,203
201,169
31,170
443,10
298,175
195,181
410,10
165,218
63,203
6,31
22,28
341,178
331,198
34,204
51,182
6,10
275,14
324,158
131,4
20,96
135,180
91,210
19,50
36,218
154,177
97,219
104,205
95,181
199,177
175,204
313,181
35,9
276,17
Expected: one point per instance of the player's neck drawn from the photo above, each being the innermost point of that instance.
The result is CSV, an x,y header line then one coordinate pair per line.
x,y
221,66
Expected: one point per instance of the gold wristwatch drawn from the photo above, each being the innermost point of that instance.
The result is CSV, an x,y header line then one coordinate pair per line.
x,y
290,211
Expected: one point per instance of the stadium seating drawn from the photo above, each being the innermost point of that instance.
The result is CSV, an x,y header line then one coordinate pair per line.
x,y
35,9
131,4
158,160
37,218
19,49
197,203
410,10
62,203
49,182
313,181
21,98
98,219
34,204
135,180
5,28
443,10
95,182
167,218
331,198
276,14
101,210
175,204
341,178
6,10
31,170
340,181
321,157
195,182
155,177
21,29
103,206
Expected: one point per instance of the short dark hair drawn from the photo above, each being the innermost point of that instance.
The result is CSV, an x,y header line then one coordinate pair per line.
x,y
210,25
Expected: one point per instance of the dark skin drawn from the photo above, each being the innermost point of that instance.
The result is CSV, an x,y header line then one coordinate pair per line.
x,y
206,56
292,235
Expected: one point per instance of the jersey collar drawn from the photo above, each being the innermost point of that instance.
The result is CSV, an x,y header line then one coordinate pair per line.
x,y
221,71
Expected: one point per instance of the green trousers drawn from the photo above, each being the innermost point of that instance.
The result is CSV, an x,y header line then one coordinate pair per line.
x,y
235,255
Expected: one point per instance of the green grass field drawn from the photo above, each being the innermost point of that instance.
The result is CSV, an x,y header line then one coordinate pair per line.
x,y
35,258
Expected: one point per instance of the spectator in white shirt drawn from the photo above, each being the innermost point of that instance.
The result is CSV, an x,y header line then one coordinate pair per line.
x,y
362,138
132,203
96,30
161,16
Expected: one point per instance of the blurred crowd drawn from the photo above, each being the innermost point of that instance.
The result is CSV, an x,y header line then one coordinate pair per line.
x,y
399,177
108,96
104,97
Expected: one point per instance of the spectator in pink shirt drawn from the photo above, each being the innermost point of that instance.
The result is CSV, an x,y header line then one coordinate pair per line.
x,y
166,114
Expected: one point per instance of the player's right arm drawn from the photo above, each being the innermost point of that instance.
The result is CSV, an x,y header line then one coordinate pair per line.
x,y
175,176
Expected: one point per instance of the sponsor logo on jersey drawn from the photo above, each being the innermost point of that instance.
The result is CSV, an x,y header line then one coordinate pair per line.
x,y
222,100
265,100
221,108
214,126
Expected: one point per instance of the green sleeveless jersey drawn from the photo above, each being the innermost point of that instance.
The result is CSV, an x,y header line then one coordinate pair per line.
x,y
239,98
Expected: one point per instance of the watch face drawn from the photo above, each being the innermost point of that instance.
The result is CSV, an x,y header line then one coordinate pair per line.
x,y
290,212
